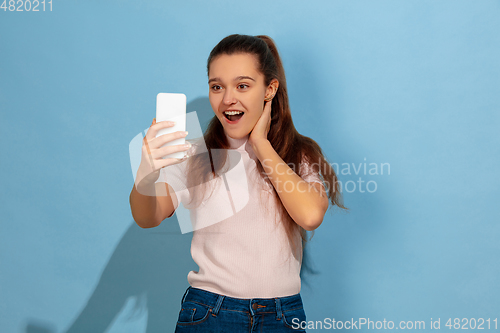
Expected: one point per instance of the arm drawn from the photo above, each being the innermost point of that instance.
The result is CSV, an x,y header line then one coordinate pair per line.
x,y
149,211
153,202
306,203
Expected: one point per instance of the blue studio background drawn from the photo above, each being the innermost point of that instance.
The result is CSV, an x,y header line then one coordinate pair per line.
x,y
402,95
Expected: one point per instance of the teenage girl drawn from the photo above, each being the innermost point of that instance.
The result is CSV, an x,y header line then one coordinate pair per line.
x,y
248,247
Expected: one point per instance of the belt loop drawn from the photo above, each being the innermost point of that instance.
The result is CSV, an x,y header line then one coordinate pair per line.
x,y
217,305
278,309
185,294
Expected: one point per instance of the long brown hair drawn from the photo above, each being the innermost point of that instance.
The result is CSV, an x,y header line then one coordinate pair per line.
x,y
291,146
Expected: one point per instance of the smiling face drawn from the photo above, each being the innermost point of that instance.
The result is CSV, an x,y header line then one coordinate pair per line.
x,y
235,84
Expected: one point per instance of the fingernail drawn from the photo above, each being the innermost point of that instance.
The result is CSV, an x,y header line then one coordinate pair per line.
x,y
186,132
171,122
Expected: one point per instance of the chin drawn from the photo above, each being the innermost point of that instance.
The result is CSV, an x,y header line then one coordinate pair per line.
x,y
238,134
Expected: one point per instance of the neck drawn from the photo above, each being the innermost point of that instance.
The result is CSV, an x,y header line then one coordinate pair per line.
x,y
237,143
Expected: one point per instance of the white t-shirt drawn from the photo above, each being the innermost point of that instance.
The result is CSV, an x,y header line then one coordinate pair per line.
x,y
239,242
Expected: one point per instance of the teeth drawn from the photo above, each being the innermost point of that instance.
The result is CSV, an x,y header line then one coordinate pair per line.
x,y
231,113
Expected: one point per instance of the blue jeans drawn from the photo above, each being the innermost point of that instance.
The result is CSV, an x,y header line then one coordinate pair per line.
x,y
205,311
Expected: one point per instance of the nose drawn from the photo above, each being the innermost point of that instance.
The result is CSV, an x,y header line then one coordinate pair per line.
x,y
229,97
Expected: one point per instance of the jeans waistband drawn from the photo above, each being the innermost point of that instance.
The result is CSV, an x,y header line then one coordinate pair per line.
x,y
253,305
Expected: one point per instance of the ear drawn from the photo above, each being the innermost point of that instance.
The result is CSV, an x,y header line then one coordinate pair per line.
x,y
272,88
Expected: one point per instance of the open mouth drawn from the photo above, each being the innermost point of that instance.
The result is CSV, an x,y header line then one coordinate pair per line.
x,y
233,116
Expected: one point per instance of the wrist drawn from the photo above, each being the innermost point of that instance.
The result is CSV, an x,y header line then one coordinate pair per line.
x,y
145,182
259,144
260,147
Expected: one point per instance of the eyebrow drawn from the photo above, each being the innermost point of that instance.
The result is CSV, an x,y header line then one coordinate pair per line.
x,y
241,77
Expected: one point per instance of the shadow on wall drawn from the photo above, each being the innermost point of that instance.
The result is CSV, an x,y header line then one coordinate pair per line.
x,y
148,264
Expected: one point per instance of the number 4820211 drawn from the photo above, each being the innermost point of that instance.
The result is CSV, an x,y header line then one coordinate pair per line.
x,y
26,6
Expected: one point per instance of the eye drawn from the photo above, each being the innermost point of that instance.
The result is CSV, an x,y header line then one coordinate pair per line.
x,y
215,87
243,85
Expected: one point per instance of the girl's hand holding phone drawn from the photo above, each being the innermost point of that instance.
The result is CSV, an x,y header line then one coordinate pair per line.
x,y
152,155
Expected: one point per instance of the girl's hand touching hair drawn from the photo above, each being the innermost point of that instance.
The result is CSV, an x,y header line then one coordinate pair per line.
x,y
152,155
261,128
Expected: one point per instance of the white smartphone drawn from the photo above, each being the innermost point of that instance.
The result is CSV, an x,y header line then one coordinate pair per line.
x,y
172,107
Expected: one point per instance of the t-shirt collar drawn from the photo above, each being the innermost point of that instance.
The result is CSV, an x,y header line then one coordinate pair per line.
x,y
241,145
238,144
